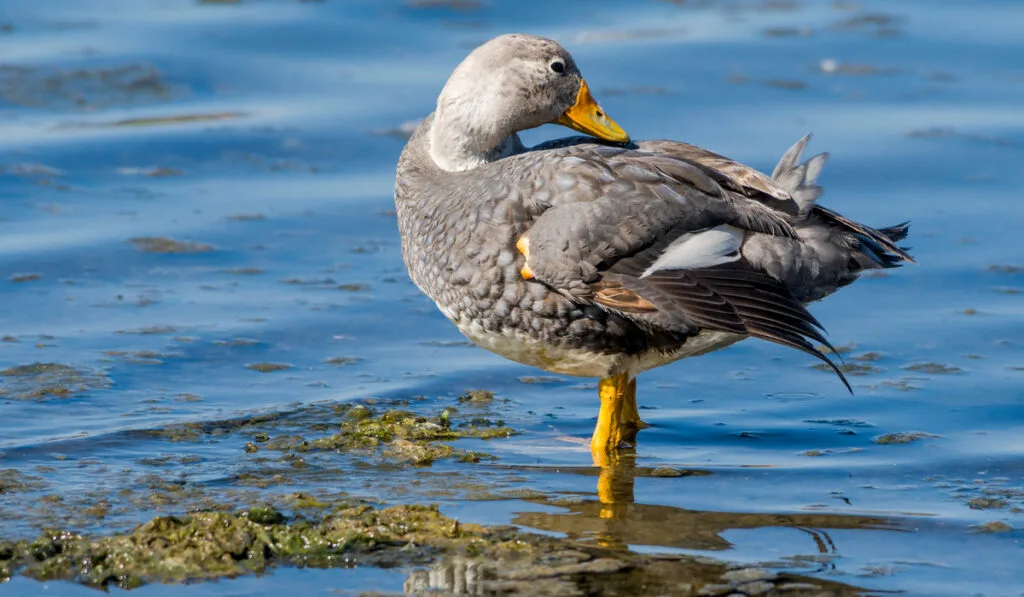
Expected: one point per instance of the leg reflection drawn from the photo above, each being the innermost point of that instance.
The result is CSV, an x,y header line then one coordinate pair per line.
x,y
615,482
615,493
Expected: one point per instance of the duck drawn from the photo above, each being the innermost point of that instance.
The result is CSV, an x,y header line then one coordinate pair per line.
x,y
600,256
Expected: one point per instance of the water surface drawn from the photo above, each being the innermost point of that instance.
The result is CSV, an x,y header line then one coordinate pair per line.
x,y
261,137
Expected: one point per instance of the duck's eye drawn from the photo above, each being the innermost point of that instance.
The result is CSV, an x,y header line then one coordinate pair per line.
x,y
558,66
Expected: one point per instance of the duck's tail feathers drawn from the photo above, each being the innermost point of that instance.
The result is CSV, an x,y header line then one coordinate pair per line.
x,y
878,248
800,179
896,233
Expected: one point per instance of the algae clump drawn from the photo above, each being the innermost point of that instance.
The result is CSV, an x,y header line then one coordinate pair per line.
x,y
403,435
213,544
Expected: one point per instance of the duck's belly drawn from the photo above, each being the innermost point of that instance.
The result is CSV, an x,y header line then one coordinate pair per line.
x,y
516,345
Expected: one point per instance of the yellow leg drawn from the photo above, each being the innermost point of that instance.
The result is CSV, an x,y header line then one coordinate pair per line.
x,y
630,416
608,432
618,420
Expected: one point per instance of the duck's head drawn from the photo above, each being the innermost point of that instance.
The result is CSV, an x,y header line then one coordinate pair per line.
x,y
509,84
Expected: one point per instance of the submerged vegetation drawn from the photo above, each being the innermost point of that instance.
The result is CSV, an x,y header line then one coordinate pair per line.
x,y
274,457
40,381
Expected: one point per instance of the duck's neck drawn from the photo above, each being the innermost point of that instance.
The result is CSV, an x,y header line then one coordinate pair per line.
x,y
456,145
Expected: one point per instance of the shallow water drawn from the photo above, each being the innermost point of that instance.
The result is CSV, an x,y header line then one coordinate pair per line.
x,y
266,132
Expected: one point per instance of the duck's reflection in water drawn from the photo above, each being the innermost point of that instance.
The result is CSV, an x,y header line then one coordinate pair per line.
x,y
596,559
459,576
591,572
615,520
632,576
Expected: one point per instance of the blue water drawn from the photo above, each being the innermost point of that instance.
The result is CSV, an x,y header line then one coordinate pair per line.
x,y
351,582
296,112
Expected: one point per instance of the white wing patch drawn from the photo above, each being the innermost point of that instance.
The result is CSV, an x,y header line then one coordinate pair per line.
x,y
696,250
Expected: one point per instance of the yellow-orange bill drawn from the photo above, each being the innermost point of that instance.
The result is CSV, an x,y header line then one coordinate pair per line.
x,y
587,117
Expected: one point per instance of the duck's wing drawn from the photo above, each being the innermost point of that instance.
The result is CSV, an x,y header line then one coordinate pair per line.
x,y
732,174
832,250
773,191
657,238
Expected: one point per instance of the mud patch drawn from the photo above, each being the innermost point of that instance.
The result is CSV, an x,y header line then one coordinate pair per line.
x,y
151,330
950,133
987,503
789,84
83,88
15,481
42,381
246,217
152,172
1005,269
840,422
873,24
934,368
268,367
143,357
540,379
314,281
163,244
158,120
243,271
857,369
906,437
345,361
995,526
477,397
